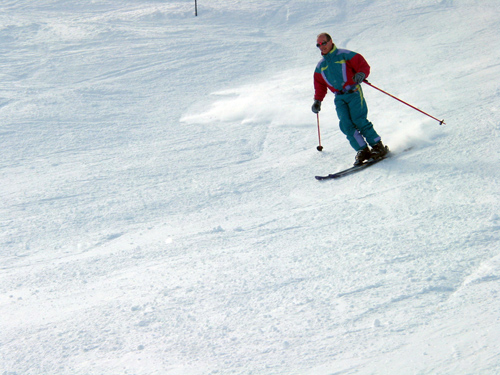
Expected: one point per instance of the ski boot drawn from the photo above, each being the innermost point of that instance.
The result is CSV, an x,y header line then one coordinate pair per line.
x,y
379,150
362,156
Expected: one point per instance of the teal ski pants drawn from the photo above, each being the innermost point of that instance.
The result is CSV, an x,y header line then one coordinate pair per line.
x,y
352,112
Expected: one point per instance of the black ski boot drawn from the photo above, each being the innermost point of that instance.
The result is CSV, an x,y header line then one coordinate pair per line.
x,y
379,150
362,156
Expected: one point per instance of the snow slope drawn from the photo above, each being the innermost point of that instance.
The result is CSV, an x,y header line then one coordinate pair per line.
x,y
159,213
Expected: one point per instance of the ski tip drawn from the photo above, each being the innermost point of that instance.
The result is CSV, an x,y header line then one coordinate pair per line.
x,y
321,178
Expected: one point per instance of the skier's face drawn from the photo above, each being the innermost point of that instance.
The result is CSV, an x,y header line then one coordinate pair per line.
x,y
324,45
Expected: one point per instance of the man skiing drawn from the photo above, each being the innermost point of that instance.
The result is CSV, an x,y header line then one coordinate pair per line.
x,y
342,72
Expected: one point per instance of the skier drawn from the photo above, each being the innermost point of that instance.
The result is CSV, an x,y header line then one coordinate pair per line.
x,y
342,72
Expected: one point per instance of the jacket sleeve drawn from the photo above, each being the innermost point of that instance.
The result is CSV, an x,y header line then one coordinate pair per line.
x,y
320,87
359,64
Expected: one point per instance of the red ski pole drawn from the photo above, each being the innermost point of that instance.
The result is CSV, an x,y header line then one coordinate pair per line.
x,y
441,122
319,148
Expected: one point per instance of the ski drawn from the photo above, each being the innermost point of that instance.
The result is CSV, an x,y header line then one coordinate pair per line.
x,y
351,170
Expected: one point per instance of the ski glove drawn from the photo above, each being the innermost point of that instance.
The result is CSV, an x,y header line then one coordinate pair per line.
x,y
316,107
359,77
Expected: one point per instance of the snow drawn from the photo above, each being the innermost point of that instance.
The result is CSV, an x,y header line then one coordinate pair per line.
x,y
159,212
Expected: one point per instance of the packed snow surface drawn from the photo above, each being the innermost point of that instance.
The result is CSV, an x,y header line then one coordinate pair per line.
x,y
158,207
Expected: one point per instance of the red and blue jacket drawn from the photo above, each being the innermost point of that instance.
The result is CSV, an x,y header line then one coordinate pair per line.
x,y
335,71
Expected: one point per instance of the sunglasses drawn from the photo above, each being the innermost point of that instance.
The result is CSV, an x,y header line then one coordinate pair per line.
x,y
322,44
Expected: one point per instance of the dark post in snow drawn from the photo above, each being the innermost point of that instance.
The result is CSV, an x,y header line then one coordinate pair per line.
x,y
196,8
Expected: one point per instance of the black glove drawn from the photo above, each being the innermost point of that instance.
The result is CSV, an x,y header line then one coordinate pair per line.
x,y
359,77
316,107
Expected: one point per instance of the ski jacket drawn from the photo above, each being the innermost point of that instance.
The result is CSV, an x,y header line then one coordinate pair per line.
x,y
336,70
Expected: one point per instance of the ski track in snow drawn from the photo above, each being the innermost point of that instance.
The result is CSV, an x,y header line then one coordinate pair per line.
x,y
159,209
